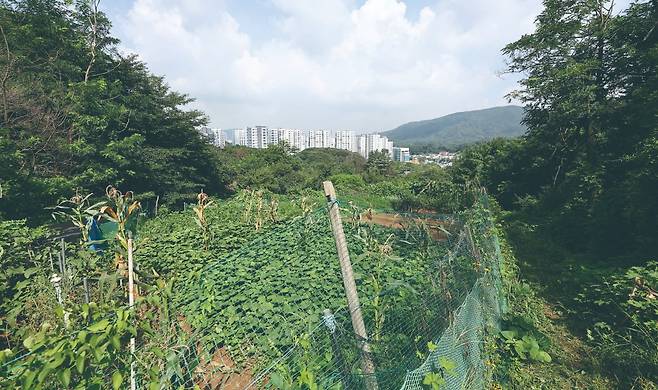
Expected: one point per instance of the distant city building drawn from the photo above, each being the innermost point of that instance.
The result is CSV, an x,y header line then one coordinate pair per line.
x,y
262,136
216,137
219,138
362,146
293,137
344,140
252,140
376,142
240,137
442,159
318,139
401,154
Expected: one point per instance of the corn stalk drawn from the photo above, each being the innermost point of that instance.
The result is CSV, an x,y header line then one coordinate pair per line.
x,y
203,201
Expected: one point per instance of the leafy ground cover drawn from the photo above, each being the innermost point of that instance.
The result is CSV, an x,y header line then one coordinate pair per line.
x,y
254,292
596,319
248,293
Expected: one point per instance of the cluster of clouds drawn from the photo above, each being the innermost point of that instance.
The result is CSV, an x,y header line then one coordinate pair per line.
x,y
338,64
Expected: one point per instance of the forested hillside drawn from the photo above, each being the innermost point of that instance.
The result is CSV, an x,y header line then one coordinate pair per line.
x,y
462,128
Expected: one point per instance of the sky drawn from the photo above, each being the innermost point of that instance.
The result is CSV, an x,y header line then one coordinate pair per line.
x,y
362,65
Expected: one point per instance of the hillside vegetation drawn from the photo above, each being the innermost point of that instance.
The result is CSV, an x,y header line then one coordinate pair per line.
x,y
461,128
237,263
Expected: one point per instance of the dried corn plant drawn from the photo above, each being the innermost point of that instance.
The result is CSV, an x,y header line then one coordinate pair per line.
x,y
78,211
274,210
203,202
123,211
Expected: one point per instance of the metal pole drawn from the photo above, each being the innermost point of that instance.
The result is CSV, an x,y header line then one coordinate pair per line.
x,y
349,284
131,302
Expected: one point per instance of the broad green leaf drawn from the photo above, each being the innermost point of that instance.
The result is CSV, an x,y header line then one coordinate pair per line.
x,y
99,326
80,362
448,365
117,378
65,376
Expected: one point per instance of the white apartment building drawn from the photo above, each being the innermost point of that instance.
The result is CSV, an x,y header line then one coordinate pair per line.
x,y
261,136
362,146
252,139
374,142
272,136
294,138
318,139
344,140
219,138
240,137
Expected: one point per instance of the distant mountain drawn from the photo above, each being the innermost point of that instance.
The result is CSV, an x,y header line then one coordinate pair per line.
x,y
461,128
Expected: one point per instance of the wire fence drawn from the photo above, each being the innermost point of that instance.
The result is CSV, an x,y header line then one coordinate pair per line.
x,y
273,314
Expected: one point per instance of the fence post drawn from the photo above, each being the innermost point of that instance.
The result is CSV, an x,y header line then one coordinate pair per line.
x,y
353,304
131,302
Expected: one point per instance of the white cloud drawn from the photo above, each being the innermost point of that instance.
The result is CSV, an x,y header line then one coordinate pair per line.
x,y
331,63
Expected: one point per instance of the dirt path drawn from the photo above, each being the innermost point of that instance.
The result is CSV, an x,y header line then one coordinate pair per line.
x,y
436,227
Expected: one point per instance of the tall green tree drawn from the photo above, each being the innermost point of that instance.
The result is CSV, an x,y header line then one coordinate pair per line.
x,y
78,115
589,91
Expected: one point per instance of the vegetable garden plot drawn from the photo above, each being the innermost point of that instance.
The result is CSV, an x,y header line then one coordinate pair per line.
x,y
430,333
253,304
251,310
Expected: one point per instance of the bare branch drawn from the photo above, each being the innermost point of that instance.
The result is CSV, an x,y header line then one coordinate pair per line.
x,y
93,23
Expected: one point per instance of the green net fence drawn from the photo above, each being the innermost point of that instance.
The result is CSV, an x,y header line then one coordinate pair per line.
x,y
280,319
272,313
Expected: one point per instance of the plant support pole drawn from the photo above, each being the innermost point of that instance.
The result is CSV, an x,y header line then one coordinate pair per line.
x,y
131,302
353,304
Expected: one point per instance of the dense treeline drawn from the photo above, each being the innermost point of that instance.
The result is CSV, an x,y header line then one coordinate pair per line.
x,y
587,169
581,186
77,114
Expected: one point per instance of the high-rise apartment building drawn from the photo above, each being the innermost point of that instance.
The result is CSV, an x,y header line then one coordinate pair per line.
x,y
240,137
263,136
294,138
318,139
375,142
345,140
219,138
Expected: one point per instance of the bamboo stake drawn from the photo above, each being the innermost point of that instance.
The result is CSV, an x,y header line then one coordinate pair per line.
x,y
349,284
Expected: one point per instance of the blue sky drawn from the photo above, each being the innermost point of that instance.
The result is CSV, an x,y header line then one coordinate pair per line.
x,y
364,65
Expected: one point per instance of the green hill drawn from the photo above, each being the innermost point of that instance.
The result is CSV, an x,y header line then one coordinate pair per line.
x,y
462,128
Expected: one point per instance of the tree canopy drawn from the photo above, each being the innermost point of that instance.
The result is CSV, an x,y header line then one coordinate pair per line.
x,y
78,115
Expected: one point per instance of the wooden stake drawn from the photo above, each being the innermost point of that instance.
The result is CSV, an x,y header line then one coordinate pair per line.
x,y
86,287
131,302
349,284
63,254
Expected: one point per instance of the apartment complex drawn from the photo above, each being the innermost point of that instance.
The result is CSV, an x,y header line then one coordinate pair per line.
x,y
261,137
214,136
